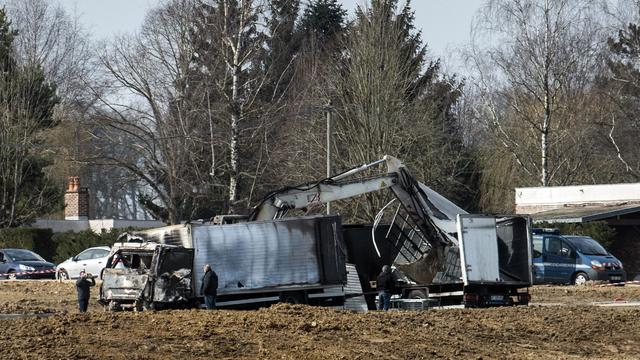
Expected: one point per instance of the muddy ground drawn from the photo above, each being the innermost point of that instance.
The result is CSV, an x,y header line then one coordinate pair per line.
x,y
575,330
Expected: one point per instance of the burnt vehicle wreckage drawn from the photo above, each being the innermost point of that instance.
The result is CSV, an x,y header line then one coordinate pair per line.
x,y
441,255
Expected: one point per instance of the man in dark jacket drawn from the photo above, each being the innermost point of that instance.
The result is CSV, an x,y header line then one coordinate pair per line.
x,y
384,284
209,287
83,286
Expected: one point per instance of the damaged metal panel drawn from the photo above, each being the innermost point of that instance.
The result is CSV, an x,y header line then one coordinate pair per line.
x,y
267,254
171,235
173,286
173,281
494,249
123,284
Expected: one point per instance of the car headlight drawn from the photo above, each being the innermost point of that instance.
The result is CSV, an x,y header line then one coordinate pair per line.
x,y
596,263
25,267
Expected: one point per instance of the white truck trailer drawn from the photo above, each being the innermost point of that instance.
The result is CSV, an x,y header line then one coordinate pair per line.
x,y
296,260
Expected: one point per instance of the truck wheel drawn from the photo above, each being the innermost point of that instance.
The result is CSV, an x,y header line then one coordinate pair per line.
x,y
580,278
148,306
62,275
417,295
292,298
11,275
113,306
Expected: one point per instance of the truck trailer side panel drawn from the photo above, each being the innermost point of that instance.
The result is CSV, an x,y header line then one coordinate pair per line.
x,y
270,254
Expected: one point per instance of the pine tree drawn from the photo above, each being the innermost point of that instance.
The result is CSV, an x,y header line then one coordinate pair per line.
x,y
281,46
390,100
323,20
26,112
625,51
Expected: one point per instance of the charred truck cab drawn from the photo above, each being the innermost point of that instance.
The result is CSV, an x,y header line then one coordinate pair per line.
x,y
146,276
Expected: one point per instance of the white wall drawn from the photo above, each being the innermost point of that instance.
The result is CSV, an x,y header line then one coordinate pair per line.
x,y
580,194
95,225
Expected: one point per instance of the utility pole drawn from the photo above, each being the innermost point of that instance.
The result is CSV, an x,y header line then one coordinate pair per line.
x,y
329,132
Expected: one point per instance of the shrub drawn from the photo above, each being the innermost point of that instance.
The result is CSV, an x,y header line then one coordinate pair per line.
x,y
37,240
71,243
57,247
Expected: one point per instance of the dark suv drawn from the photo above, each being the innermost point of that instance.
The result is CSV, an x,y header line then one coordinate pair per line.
x,y
24,264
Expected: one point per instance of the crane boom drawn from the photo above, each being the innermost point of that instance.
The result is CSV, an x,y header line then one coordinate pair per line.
x,y
427,235
422,203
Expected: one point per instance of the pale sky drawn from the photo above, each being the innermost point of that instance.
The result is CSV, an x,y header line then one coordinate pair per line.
x,y
445,24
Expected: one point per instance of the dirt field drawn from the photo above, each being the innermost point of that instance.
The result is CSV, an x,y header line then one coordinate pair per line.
x,y
576,330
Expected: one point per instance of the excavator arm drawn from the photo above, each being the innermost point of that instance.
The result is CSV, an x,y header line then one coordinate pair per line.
x,y
425,232
276,204
432,214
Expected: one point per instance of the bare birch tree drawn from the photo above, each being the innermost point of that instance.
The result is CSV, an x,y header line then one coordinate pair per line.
x,y
533,60
247,90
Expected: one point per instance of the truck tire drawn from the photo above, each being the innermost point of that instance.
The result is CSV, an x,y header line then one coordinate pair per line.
x,y
62,275
417,295
113,306
580,278
149,306
292,298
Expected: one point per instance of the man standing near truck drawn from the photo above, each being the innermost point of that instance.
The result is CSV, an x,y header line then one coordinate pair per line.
x,y
384,284
83,286
209,287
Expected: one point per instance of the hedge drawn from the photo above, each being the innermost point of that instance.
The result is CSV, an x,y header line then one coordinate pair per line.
x,y
56,247
38,240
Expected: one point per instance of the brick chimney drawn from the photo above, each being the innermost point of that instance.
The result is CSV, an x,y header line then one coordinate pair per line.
x,y
76,201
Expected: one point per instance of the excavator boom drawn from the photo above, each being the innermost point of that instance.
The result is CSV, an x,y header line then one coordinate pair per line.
x,y
429,227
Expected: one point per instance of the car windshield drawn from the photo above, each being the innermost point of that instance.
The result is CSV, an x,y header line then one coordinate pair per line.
x,y
587,245
23,255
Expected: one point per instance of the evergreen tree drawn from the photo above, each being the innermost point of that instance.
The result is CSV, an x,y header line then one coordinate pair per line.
x,y
26,112
625,53
390,100
621,85
322,20
281,45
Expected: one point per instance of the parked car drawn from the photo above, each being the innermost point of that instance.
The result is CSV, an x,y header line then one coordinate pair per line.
x,y
91,260
24,264
572,259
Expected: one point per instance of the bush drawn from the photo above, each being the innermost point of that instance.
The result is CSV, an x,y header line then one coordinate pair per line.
x,y
37,240
599,230
71,243
56,247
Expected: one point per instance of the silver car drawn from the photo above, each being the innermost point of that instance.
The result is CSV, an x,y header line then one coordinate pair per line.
x,y
91,260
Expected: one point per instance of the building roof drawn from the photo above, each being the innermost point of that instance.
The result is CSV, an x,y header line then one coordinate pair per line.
x,y
581,214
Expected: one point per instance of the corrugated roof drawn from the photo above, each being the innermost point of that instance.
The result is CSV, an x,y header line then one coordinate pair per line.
x,y
585,213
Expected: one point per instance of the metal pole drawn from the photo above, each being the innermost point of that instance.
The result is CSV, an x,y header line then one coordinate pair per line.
x,y
329,131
